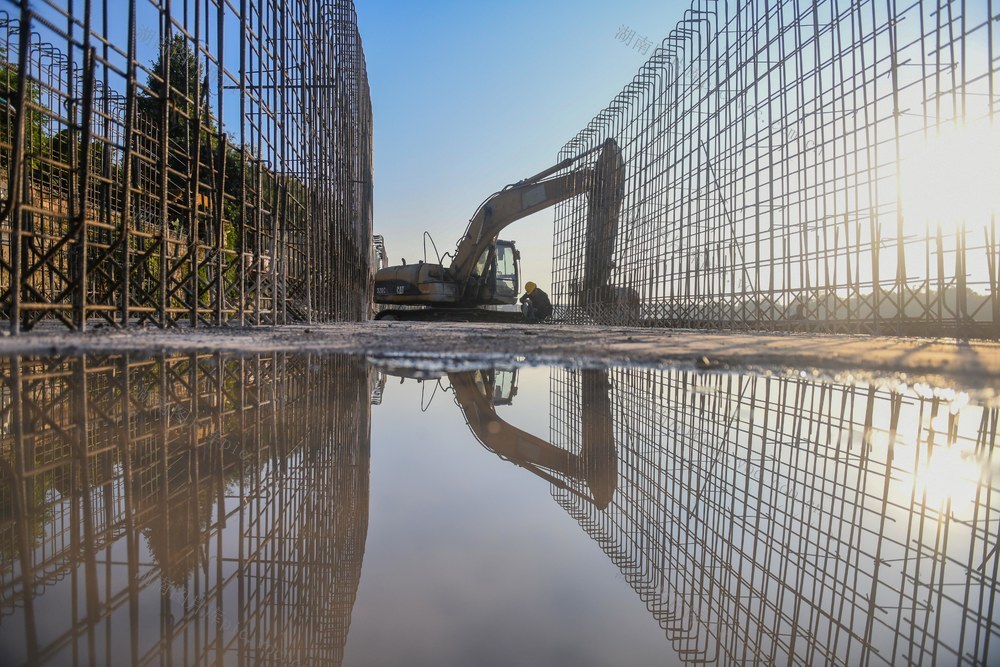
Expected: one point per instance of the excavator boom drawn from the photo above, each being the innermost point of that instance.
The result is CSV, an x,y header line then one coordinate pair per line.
x,y
477,393
508,206
597,461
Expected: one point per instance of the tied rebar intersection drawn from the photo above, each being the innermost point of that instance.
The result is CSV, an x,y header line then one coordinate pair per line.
x,y
796,520
799,166
195,163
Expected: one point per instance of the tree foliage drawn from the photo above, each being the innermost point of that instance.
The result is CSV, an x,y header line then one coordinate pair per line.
x,y
186,79
36,124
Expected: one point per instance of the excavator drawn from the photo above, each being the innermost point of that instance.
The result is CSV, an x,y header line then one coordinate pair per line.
x,y
484,271
477,393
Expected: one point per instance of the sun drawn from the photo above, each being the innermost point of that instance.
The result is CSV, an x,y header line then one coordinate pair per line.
x,y
947,477
951,177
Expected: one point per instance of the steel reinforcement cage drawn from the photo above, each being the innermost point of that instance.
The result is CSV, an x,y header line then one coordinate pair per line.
x,y
772,520
197,508
791,165
183,162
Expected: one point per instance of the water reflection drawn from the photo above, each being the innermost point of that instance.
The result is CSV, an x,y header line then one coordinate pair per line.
x,y
188,509
772,520
196,509
478,393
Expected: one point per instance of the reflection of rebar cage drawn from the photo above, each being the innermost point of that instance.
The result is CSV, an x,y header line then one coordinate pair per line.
x,y
229,180
227,497
771,167
769,520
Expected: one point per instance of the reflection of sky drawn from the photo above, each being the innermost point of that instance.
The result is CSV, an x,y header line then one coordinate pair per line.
x,y
469,560
747,509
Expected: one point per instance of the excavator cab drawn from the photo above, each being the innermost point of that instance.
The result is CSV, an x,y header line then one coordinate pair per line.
x,y
506,272
500,384
497,275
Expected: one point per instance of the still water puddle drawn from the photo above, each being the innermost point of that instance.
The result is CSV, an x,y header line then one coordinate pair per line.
x,y
308,509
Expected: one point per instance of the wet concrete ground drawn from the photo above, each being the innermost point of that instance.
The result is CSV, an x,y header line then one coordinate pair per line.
x,y
974,364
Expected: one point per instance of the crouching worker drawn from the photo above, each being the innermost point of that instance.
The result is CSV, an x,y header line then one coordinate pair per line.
x,y
535,304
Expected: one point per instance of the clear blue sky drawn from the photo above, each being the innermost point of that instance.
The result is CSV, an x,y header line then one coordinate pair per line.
x,y
470,96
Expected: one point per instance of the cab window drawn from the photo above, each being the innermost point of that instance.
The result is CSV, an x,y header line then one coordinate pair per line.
x,y
506,271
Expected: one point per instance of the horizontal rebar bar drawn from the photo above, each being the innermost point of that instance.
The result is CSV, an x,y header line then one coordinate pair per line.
x,y
172,164
782,172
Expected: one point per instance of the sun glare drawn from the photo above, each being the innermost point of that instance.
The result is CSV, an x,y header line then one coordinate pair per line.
x,y
947,474
952,176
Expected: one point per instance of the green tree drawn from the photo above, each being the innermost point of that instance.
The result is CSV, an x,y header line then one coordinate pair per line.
x,y
186,74
184,95
187,79
36,122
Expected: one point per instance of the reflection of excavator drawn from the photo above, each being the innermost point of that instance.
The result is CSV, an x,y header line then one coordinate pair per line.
x,y
479,392
484,271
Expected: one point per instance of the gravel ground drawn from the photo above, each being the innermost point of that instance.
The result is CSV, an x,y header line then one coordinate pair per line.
x,y
974,365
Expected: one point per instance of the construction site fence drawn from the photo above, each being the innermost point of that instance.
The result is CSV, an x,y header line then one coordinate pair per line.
x,y
798,166
183,163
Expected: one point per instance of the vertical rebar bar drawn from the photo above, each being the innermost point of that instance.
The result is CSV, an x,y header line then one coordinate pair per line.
x,y
192,188
773,156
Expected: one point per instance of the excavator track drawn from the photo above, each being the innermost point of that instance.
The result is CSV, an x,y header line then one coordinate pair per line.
x,y
450,315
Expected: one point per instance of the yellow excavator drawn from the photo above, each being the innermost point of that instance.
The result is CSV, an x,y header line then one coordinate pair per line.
x,y
484,271
477,393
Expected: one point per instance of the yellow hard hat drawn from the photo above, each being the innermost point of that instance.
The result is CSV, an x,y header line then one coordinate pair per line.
x,y
529,287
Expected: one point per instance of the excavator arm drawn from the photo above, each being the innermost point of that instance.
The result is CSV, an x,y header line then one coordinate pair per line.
x,y
477,393
508,206
517,201
596,464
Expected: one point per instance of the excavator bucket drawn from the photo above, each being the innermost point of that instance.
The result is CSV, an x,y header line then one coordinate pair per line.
x,y
598,453
603,211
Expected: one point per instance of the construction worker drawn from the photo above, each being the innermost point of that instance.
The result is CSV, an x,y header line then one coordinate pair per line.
x,y
535,304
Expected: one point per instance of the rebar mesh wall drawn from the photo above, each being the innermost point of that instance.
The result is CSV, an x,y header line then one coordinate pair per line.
x,y
197,162
780,174
794,521
196,509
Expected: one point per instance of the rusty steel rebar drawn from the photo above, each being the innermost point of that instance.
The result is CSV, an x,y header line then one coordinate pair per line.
x,y
797,520
780,175
234,189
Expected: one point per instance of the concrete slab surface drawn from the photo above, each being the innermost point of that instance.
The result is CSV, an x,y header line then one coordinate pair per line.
x,y
974,364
